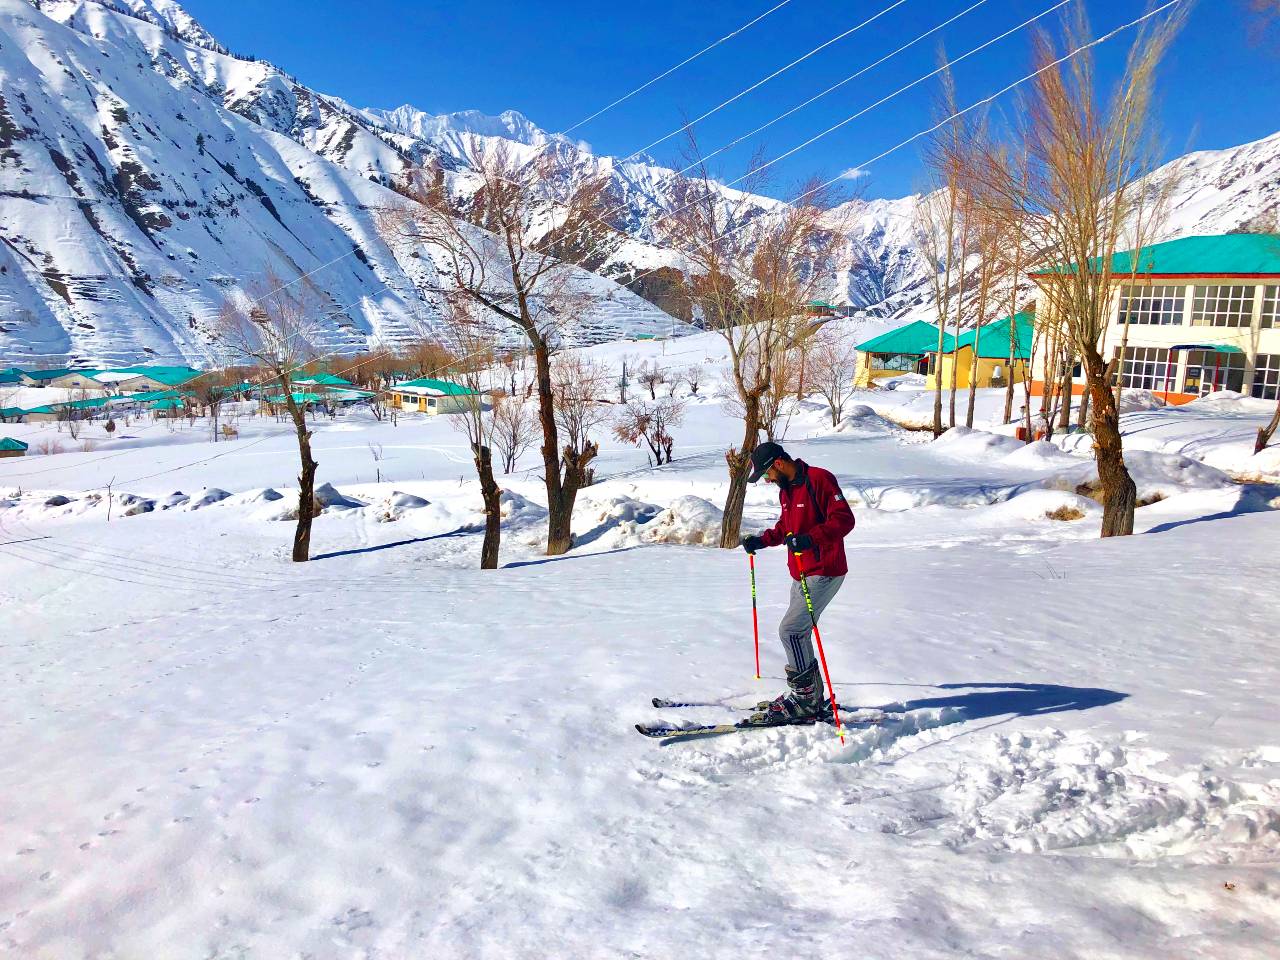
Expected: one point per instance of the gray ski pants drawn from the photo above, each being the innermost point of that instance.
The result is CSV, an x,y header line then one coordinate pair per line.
x,y
796,630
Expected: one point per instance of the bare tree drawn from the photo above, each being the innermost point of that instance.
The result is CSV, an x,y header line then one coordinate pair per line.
x,y
693,377
939,233
514,428
208,392
497,252
1084,192
831,364
475,344
274,325
748,278
72,414
650,376
579,386
650,422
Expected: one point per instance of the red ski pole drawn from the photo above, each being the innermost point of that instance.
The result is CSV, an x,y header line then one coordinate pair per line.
x,y
755,620
817,636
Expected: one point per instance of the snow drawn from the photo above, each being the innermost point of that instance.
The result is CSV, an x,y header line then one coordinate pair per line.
x,y
386,752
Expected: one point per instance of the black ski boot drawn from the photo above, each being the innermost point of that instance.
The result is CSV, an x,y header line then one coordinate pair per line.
x,y
805,703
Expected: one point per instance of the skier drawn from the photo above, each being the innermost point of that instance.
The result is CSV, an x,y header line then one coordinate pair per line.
x,y
815,520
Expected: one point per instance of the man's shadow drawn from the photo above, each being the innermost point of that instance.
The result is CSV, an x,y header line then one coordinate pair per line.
x,y
986,700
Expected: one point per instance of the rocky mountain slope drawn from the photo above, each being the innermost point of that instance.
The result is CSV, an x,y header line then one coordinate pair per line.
x,y
145,170
145,173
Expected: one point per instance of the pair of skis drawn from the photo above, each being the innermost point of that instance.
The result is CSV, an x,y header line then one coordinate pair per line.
x,y
668,732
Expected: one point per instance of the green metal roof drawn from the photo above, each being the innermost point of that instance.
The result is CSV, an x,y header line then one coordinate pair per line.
x,y
11,411
1247,254
12,375
915,339
169,376
1207,347
8,443
49,374
297,398
994,342
443,387
324,380
171,403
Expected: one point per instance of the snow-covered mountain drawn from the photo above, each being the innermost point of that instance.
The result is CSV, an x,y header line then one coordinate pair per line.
x,y
145,170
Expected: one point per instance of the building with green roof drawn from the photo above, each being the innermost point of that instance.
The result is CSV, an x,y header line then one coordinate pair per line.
x,y
990,346
9,447
433,397
1192,316
904,350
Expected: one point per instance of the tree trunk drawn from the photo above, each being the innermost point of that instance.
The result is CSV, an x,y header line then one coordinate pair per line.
x,y
1119,493
1067,391
306,487
1266,433
1008,387
559,516
739,468
973,376
492,494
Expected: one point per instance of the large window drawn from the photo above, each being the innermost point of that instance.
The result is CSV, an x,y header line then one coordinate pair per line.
x,y
1144,368
1223,306
1208,370
1271,307
1266,376
1161,304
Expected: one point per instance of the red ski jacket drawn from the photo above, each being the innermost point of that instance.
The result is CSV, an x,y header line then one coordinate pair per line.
x,y
813,504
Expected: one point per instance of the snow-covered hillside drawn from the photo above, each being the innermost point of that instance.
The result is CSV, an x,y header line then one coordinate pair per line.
x,y
134,200
146,168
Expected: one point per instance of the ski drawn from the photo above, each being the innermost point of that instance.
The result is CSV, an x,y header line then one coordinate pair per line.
x,y
661,703
663,732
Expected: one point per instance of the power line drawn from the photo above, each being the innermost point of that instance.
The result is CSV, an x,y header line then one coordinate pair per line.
x,y
667,73
959,113
763,81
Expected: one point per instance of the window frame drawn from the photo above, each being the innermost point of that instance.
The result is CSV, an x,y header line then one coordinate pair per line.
x,y
1222,315
1147,296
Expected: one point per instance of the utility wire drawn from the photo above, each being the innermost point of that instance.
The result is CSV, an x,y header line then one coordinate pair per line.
x,y
760,83
667,73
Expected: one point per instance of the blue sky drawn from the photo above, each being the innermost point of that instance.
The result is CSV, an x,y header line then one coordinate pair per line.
x,y
558,62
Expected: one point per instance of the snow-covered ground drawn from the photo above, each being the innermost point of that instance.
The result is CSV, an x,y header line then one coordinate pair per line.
x,y
213,753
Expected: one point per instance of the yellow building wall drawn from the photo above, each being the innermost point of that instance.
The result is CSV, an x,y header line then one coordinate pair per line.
x,y
868,372
986,370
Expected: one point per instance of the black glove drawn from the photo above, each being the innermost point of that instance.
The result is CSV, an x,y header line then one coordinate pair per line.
x,y
752,544
799,542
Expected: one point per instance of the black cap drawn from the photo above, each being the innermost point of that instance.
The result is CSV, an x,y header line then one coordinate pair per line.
x,y
762,458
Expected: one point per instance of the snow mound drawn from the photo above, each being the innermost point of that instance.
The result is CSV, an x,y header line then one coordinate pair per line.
x,y
689,520
1040,455
406,501
862,419
966,443
516,508
1228,401
131,505
1157,476
210,496
175,499
1046,505
618,521
395,506
327,495
1136,401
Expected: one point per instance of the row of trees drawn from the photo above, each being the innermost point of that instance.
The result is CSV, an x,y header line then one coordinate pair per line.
x,y
1060,188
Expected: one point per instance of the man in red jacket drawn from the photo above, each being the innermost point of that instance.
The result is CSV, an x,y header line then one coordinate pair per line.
x,y
815,520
